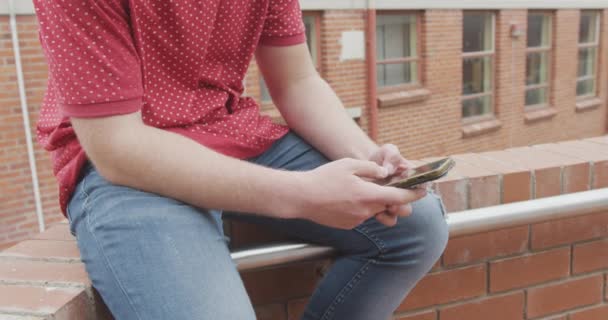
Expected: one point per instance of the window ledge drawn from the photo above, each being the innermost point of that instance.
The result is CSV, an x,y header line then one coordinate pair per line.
x,y
536,115
588,104
391,99
479,128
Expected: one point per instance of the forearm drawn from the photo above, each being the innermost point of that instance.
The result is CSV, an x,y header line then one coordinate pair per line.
x,y
171,165
312,109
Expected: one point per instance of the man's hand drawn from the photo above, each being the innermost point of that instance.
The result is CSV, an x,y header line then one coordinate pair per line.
x,y
389,157
341,194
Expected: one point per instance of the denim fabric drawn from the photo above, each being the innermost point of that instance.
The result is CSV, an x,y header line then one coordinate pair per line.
x,y
152,257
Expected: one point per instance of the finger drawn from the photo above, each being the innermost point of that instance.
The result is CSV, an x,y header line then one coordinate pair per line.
x,y
396,196
386,219
401,211
392,160
368,169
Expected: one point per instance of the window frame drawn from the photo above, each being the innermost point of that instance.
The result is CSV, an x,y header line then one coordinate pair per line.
x,y
542,49
493,77
587,45
418,58
316,16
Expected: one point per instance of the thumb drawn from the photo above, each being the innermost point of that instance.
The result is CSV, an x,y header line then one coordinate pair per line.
x,y
388,165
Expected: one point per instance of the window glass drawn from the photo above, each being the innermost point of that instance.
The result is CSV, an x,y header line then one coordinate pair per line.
x,y
478,33
396,40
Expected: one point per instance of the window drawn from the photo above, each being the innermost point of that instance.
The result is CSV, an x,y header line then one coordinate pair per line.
x,y
312,40
538,59
396,49
477,64
588,43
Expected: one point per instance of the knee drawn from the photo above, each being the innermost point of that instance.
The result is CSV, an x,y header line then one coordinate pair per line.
x,y
435,229
421,237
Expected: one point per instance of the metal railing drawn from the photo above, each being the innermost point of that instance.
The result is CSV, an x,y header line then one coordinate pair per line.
x,y
460,223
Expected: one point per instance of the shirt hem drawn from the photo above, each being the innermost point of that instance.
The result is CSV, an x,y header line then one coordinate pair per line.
x,y
284,41
103,109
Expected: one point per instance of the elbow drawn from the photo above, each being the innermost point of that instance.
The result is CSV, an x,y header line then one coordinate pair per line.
x,y
108,141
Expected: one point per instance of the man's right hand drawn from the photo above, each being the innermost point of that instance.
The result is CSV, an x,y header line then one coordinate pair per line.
x,y
342,194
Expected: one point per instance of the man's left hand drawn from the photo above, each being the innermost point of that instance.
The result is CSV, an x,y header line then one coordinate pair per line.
x,y
398,167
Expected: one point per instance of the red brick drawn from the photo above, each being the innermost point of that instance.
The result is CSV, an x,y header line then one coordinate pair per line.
x,y
57,232
447,286
565,231
453,193
271,312
511,307
594,313
248,234
590,256
547,172
270,286
516,181
63,303
295,308
44,249
21,271
426,315
468,249
600,175
565,295
530,269
484,187
576,170
576,178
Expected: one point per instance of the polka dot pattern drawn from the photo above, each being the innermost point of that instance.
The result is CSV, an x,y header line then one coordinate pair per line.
x,y
181,63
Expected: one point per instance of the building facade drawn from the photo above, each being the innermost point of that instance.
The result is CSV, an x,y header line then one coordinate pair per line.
x,y
433,77
443,81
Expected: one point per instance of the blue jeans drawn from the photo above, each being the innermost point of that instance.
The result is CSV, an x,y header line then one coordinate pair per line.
x,y
152,257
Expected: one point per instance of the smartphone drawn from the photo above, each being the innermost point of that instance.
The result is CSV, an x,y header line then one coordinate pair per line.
x,y
425,173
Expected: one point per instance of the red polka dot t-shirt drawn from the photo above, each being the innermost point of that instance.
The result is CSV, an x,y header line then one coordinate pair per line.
x,y
180,62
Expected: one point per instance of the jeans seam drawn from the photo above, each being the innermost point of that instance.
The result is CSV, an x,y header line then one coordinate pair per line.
x,y
105,257
85,202
346,290
380,245
441,204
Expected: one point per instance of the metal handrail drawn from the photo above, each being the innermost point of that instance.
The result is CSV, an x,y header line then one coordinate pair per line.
x,y
460,223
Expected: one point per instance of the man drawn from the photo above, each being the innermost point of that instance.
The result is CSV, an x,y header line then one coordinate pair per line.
x,y
151,140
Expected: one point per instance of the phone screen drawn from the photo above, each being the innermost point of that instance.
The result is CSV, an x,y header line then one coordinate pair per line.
x,y
427,167
424,173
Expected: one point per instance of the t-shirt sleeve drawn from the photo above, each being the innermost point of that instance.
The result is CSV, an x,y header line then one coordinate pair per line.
x,y
283,25
94,66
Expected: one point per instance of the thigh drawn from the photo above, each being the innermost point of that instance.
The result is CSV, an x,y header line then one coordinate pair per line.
x,y
152,257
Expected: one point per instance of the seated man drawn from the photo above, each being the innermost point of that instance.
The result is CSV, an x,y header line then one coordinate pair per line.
x,y
152,140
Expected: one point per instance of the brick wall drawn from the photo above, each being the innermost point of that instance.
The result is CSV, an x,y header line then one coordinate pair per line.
x,y
546,271
434,126
18,219
421,129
